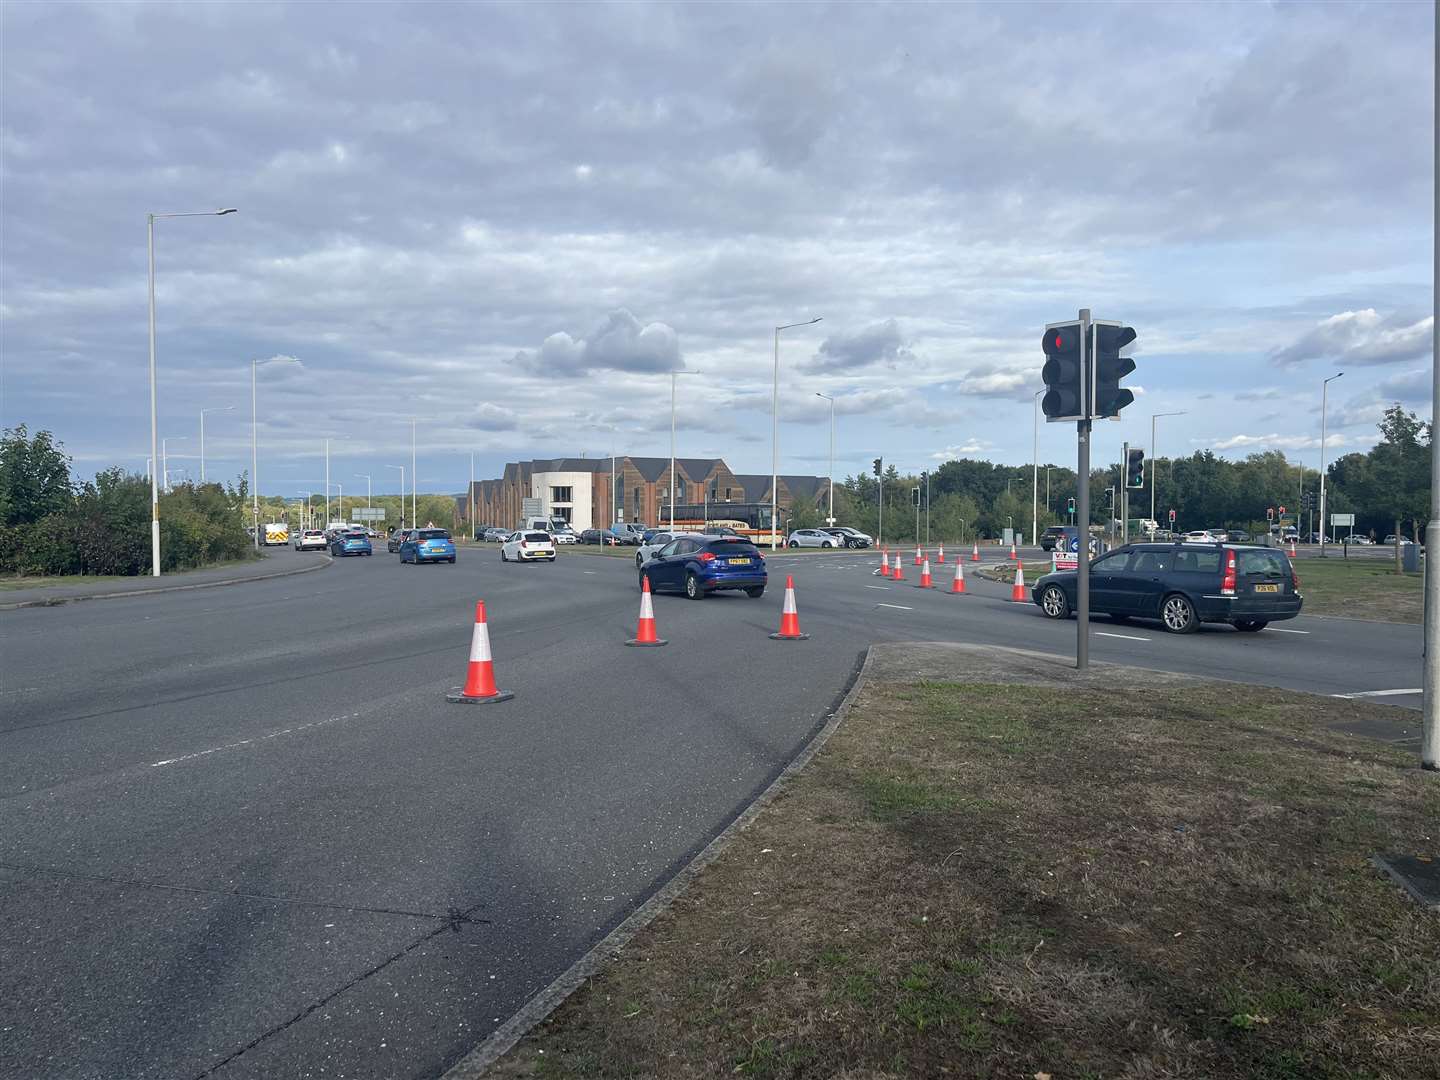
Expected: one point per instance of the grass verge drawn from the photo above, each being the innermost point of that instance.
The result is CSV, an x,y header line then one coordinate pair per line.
x,y
999,880
1360,589
20,581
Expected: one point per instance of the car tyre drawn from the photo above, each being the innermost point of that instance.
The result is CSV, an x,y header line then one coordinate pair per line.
x,y
452,560
1251,626
1177,614
1054,603
639,562
826,544
755,592
794,543
503,557
693,588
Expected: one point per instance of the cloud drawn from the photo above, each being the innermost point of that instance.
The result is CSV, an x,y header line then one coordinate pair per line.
x,y
488,417
878,343
620,343
1360,337
965,449
1273,441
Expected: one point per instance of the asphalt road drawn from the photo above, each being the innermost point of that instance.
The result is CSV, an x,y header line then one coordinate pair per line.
x,y
245,836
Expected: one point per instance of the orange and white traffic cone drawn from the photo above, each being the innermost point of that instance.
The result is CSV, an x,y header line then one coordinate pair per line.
x,y
479,688
917,556
1017,591
898,574
925,582
940,557
884,563
975,552
958,585
1013,553
645,629
1292,547
789,616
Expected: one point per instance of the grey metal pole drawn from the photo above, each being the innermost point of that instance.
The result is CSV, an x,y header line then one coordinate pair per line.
x,y
880,521
414,514
672,439
1324,394
254,462
154,418
202,446
1125,494
328,517
1082,508
775,444
1430,714
927,509
1152,468
1035,472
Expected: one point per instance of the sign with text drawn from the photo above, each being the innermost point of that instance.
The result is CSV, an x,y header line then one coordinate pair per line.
x,y
1064,560
369,513
1342,519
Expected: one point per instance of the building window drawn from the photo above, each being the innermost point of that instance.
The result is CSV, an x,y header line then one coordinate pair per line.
x,y
727,494
559,495
636,515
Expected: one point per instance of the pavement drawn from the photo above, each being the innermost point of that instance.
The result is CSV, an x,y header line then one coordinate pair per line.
x,y
267,566
245,836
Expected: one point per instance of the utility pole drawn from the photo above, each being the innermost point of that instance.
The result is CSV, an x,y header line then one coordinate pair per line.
x,y
1082,508
1430,714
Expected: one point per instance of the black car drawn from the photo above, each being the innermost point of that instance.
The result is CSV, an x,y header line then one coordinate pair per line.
x,y
395,539
598,536
1058,536
1182,585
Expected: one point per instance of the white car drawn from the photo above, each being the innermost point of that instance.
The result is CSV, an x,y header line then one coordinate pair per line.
x,y
527,545
311,540
811,538
1201,536
658,541
565,537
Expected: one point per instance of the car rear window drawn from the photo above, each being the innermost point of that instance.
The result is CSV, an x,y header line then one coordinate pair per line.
x,y
1268,563
434,534
537,538
731,546
1201,562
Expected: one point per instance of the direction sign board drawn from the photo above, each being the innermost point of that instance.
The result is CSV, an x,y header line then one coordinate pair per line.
x,y
1342,519
530,508
368,513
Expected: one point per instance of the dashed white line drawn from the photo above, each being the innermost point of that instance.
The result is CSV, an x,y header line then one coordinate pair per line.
x,y
883,588
1278,630
247,742
1379,693
897,607
1127,637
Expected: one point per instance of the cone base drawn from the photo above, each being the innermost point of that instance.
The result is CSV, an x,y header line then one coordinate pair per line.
x,y
636,643
458,696
789,637
922,585
958,592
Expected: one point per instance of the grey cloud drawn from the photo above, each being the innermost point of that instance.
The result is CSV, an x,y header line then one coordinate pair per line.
x,y
488,417
878,343
620,343
1360,337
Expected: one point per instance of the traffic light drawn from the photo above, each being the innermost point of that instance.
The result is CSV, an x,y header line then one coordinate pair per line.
x,y
1064,372
1134,468
878,463
1111,367
1070,508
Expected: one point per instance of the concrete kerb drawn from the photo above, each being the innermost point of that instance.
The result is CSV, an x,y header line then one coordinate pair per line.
x,y
508,1034
56,601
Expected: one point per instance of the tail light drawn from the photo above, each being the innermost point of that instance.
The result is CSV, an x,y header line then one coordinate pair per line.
x,y
1227,584
706,556
522,545
1294,577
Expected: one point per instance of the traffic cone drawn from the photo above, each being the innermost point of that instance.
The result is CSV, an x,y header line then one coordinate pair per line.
x,y
1017,591
917,556
975,552
940,558
1013,553
479,688
645,629
789,617
1292,547
898,574
958,585
925,582
884,563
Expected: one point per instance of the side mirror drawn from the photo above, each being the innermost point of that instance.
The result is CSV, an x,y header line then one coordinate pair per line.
x,y
654,554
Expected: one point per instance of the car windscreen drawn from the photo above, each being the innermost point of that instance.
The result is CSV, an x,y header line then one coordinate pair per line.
x,y
433,534
536,538
1264,563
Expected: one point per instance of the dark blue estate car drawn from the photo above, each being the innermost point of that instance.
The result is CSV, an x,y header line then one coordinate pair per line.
x,y
350,543
1182,585
427,545
696,565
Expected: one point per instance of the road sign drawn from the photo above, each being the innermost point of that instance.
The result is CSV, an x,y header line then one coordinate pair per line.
x,y
1342,519
369,513
529,508
1075,543
1064,560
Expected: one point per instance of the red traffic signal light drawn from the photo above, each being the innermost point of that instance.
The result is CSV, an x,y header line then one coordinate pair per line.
x,y
1064,373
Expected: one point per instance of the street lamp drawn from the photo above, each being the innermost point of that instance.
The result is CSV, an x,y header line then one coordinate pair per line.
x,y
673,376
340,491
366,478
414,479
154,415
254,442
1035,474
1324,390
218,408
165,456
305,517
831,519
402,490
1153,418
775,434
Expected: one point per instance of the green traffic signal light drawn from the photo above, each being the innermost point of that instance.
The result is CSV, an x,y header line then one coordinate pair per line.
x,y
1134,468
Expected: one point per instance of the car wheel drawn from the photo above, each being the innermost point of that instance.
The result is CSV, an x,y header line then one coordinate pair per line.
x,y
794,543
692,587
502,556
1251,626
639,562
755,592
452,560
1178,614
826,543
1054,603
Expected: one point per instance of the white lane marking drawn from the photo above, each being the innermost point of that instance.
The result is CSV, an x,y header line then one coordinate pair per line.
x,y
257,739
897,607
882,588
1127,637
589,571
1277,630
1379,693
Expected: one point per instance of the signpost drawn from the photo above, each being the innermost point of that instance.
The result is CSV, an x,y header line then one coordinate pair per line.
x,y
369,513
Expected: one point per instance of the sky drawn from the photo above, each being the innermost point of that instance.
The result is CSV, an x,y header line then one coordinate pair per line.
x,y
512,221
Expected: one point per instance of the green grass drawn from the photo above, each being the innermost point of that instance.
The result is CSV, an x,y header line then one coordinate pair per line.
x,y
1360,589
14,583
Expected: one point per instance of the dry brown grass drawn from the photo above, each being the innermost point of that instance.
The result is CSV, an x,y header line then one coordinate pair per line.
x,y
985,880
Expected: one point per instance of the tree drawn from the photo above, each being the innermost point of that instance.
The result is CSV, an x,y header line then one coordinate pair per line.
x,y
34,477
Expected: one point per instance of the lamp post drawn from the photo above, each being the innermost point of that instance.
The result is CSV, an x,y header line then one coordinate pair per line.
x,y
218,408
673,376
254,442
1153,418
414,476
1035,474
402,490
830,520
154,415
775,434
470,496
1324,390
165,457
305,517
366,478
340,493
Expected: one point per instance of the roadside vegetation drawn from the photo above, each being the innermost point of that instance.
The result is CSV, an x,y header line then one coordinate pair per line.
x,y
983,880
1360,588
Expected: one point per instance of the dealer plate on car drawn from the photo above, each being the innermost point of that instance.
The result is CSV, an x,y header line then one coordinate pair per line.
x,y
1267,588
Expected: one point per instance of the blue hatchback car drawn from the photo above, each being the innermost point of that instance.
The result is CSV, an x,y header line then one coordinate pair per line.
x,y
350,543
427,545
697,565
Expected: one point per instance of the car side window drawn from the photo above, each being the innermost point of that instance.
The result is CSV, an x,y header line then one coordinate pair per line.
x,y
669,549
1114,563
1149,562
687,547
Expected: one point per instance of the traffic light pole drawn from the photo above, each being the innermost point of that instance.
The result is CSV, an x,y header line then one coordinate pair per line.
x,y
1082,511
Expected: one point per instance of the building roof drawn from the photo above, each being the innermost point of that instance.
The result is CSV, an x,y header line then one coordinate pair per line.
x,y
697,469
650,468
756,485
804,487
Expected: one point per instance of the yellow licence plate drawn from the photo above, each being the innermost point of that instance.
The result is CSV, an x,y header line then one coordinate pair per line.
x,y
739,562
1267,588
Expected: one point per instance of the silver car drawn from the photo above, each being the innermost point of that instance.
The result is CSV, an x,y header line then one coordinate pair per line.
x,y
851,538
658,541
811,538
